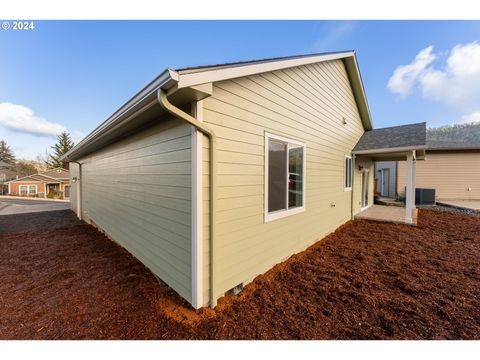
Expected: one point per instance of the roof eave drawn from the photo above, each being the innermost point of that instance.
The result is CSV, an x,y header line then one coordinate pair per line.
x,y
143,99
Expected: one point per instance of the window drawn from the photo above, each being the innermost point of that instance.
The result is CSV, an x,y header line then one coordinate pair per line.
x,y
284,177
23,189
348,173
32,189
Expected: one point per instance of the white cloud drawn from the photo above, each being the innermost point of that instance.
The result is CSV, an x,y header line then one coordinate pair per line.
x,y
21,119
456,83
405,76
471,118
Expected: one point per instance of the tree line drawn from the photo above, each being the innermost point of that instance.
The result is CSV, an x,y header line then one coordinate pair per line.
x,y
24,168
467,133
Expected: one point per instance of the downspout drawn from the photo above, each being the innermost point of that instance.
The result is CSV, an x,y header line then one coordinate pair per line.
x,y
200,126
79,189
353,187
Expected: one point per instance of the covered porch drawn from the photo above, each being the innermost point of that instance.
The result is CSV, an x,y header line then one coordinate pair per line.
x,y
399,143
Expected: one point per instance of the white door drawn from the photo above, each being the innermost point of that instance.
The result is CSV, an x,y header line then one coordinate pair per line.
x,y
364,192
385,182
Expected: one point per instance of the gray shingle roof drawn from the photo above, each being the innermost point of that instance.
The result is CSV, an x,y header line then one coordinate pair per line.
x,y
451,145
412,135
258,61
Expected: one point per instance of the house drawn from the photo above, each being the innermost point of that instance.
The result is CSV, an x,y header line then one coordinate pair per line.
x,y
54,183
212,175
451,168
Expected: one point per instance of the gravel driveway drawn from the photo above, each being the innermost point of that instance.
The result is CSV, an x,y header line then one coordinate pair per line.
x,y
9,206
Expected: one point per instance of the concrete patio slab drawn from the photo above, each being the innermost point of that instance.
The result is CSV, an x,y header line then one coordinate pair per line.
x,y
382,213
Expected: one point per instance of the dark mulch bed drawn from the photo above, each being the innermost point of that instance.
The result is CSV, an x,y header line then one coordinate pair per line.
x,y
368,280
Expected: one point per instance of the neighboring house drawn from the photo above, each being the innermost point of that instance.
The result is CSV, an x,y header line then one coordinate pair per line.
x,y
451,168
54,183
212,175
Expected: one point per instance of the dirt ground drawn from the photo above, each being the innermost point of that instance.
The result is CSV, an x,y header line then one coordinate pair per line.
x,y
367,280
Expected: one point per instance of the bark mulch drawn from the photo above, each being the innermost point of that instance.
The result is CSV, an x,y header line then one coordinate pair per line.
x,y
367,280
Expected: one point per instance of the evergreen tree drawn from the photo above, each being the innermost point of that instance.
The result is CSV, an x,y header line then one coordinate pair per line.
x,y
64,143
6,154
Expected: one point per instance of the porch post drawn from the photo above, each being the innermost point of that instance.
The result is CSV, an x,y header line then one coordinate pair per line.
x,y
410,192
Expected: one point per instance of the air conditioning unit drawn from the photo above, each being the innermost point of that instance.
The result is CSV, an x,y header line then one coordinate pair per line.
x,y
424,196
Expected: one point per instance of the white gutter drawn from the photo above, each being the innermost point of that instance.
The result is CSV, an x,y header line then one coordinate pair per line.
x,y
389,150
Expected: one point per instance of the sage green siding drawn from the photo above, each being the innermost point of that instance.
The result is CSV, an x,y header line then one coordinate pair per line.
x,y
139,191
306,104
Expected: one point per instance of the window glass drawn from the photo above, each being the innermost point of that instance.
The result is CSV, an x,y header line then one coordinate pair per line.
x,y
32,189
23,189
348,172
295,176
277,175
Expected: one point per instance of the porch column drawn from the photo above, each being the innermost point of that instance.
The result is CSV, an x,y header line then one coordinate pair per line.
x,y
410,192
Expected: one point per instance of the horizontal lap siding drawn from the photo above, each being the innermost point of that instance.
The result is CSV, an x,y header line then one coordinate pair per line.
x,y
450,173
139,191
306,104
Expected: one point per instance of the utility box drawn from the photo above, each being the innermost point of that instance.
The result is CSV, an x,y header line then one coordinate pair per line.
x,y
424,196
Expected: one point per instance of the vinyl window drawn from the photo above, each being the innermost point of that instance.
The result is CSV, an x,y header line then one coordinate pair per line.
x,y
284,177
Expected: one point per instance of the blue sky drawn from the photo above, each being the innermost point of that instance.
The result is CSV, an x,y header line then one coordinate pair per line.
x,y
73,74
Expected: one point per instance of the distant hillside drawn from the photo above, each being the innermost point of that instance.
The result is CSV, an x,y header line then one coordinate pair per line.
x,y
469,133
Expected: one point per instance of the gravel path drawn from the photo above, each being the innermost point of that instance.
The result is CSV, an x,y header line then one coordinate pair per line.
x,y
367,280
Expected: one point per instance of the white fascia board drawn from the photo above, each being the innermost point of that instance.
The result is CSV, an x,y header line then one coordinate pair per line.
x,y
389,150
236,71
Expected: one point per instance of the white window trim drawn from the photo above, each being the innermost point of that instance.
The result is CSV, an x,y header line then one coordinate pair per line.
x,y
283,213
345,173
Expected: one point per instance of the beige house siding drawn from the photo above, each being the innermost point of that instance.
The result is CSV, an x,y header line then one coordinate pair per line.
x,y
306,104
450,173
139,191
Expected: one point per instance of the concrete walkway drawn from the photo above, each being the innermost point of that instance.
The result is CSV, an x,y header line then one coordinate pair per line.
x,y
9,206
465,204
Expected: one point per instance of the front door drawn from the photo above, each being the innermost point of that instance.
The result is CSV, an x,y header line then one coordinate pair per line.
x,y
364,192
385,182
